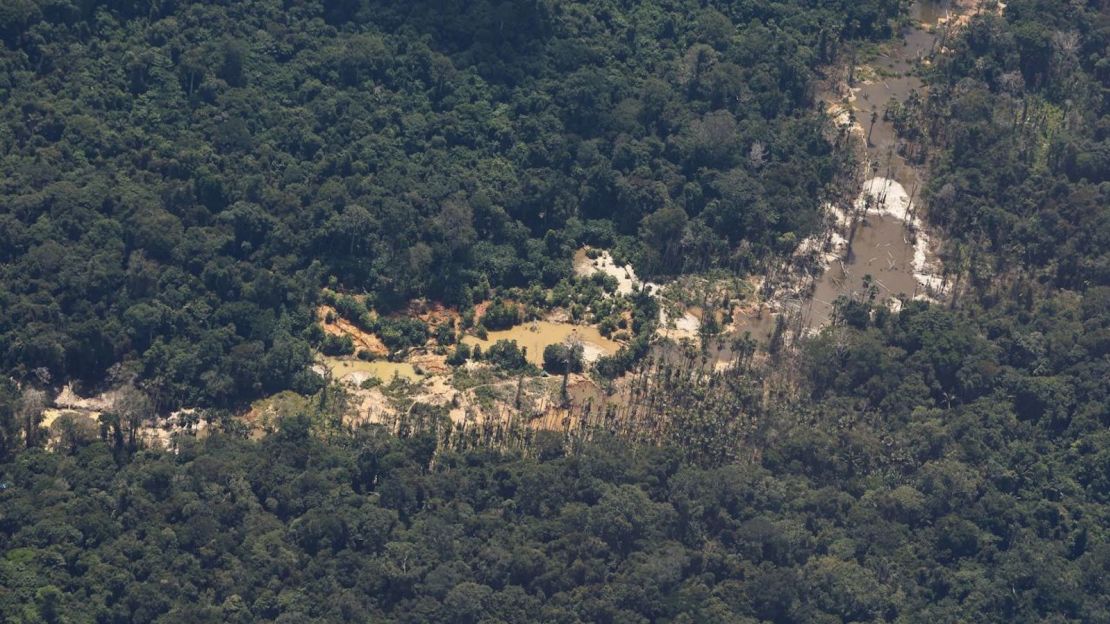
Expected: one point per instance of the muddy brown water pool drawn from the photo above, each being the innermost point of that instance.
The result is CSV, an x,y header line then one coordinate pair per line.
x,y
358,370
536,336
880,249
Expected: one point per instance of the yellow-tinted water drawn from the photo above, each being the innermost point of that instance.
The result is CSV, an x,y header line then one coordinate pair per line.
x,y
342,368
535,337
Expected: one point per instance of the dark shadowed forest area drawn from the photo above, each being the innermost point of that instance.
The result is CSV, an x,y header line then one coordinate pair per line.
x,y
184,182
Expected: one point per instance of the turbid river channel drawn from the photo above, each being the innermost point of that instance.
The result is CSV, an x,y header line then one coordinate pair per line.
x,y
883,235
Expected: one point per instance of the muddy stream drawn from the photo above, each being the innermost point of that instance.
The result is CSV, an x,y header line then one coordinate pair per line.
x,y
882,234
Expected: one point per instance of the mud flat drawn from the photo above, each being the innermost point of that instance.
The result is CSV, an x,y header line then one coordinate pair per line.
x,y
758,324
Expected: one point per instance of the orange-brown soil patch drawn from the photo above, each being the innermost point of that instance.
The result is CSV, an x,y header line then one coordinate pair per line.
x,y
434,314
342,327
430,363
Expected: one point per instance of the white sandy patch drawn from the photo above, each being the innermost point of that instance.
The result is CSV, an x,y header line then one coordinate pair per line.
x,y
625,275
591,352
68,399
885,196
842,115
810,244
685,326
840,216
357,377
627,282
688,323
836,249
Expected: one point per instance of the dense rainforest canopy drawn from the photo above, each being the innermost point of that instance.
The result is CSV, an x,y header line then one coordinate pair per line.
x,y
180,179
932,475
1021,110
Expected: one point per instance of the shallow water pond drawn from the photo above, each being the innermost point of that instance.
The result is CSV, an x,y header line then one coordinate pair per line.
x,y
358,370
881,249
536,336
